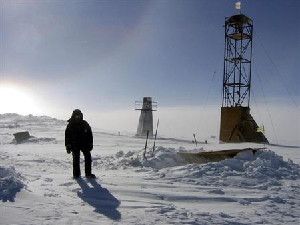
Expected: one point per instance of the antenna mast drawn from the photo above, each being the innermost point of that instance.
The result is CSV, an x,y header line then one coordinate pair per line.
x,y
237,124
237,60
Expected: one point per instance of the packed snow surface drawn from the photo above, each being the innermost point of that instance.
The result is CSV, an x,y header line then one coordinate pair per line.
x,y
36,185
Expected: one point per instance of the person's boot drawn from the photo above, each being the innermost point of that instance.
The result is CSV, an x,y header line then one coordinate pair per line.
x,y
76,176
90,176
88,165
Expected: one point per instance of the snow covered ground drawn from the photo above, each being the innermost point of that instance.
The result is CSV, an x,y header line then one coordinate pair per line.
x,y
36,185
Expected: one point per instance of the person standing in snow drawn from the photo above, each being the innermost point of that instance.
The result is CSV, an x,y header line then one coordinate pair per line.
x,y
79,137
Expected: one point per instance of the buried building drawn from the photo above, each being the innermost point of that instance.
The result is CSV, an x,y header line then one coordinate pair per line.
x,y
146,118
237,124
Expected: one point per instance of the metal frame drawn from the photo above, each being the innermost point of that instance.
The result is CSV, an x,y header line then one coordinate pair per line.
x,y
237,61
139,106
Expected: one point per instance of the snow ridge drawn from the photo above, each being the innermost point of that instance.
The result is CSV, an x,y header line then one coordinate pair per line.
x,y
11,123
261,170
264,170
13,120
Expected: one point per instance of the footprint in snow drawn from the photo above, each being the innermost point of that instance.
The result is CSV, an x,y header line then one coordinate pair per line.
x,y
67,184
48,179
51,195
217,191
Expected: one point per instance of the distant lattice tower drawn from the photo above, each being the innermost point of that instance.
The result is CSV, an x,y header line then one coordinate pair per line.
x,y
237,124
146,118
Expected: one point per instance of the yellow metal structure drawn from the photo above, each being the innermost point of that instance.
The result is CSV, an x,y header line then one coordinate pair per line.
x,y
237,125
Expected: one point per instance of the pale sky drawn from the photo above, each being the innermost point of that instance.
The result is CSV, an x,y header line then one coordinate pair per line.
x,y
101,56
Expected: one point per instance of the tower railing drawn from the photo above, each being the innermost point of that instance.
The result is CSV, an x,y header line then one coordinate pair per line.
x,y
138,105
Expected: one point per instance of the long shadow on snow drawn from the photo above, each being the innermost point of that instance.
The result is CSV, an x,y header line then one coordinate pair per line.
x,y
100,198
10,195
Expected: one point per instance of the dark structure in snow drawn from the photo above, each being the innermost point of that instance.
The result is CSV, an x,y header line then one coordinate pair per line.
x,y
21,136
146,118
237,124
25,137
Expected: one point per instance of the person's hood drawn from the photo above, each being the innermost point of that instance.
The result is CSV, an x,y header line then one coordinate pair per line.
x,y
76,113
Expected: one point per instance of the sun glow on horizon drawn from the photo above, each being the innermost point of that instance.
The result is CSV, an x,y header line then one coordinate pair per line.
x,y
14,99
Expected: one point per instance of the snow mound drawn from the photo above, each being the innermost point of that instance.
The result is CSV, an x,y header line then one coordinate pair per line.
x,y
160,158
262,170
13,121
36,140
263,164
164,157
10,183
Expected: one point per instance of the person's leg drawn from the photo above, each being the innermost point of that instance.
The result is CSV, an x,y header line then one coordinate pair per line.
x,y
87,163
76,164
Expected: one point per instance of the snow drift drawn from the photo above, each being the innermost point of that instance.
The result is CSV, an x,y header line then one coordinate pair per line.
x,y
247,189
39,140
13,120
11,123
262,170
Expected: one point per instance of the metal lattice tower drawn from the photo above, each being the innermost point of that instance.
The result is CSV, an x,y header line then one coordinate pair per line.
x,y
237,61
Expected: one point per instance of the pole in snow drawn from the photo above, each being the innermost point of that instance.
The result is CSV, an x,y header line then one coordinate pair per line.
x,y
155,136
195,139
144,155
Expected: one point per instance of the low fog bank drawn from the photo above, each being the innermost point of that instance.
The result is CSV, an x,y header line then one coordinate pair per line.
x,y
282,123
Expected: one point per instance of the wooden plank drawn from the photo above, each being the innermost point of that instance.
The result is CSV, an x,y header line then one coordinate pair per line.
x,y
213,156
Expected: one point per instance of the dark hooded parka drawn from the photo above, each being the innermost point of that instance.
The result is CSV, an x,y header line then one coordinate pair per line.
x,y
79,137
78,134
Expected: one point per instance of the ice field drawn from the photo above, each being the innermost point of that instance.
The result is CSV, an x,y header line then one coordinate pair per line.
x,y
36,184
